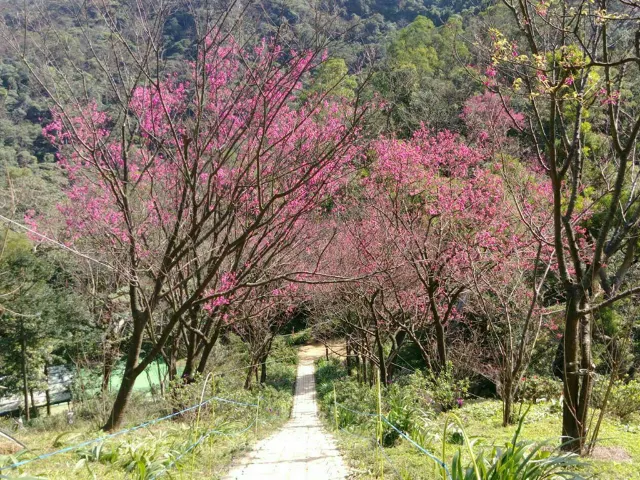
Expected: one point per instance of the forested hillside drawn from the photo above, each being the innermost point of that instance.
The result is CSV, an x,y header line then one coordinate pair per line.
x,y
447,190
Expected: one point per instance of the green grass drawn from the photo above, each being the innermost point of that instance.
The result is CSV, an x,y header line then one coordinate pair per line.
x,y
150,450
482,421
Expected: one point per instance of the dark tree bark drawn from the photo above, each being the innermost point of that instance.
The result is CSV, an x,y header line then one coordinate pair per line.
x,y
34,408
507,402
263,372
130,375
47,392
559,143
107,370
381,361
25,382
441,342
250,375
208,347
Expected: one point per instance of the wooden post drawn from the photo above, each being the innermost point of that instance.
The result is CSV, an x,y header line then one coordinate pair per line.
x,y
257,415
335,406
364,369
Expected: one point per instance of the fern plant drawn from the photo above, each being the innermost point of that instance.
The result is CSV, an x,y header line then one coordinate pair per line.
x,y
143,460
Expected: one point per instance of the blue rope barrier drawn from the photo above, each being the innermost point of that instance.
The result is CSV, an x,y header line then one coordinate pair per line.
x,y
402,434
202,438
395,469
364,414
122,432
393,466
418,446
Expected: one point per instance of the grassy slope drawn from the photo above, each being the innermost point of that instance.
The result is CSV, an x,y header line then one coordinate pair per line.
x,y
150,449
482,420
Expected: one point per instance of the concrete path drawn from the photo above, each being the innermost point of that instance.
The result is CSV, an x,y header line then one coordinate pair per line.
x,y
301,450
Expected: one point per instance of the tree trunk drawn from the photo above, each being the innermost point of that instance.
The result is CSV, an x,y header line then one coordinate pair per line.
x,y
161,377
372,371
577,383
172,366
130,374
190,339
442,346
381,361
107,370
247,380
47,392
586,375
204,358
263,371
208,348
187,373
34,409
391,369
364,369
507,402
25,383
397,341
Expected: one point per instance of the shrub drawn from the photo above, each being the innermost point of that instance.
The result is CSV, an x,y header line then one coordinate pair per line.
x,y
448,392
535,388
328,372
353,396
300,338
283,352
404,415
443,391
624,399
182,395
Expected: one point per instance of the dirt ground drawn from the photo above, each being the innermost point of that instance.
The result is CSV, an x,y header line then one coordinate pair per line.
x,y
317,350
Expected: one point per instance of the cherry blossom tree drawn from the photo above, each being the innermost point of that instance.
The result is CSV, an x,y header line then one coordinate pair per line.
x,y
576,75
508,297
260,317
366,307
198,181
428,234
441,203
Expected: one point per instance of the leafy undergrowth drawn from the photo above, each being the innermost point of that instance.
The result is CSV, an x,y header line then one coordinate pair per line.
x,y
198,444
617,457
